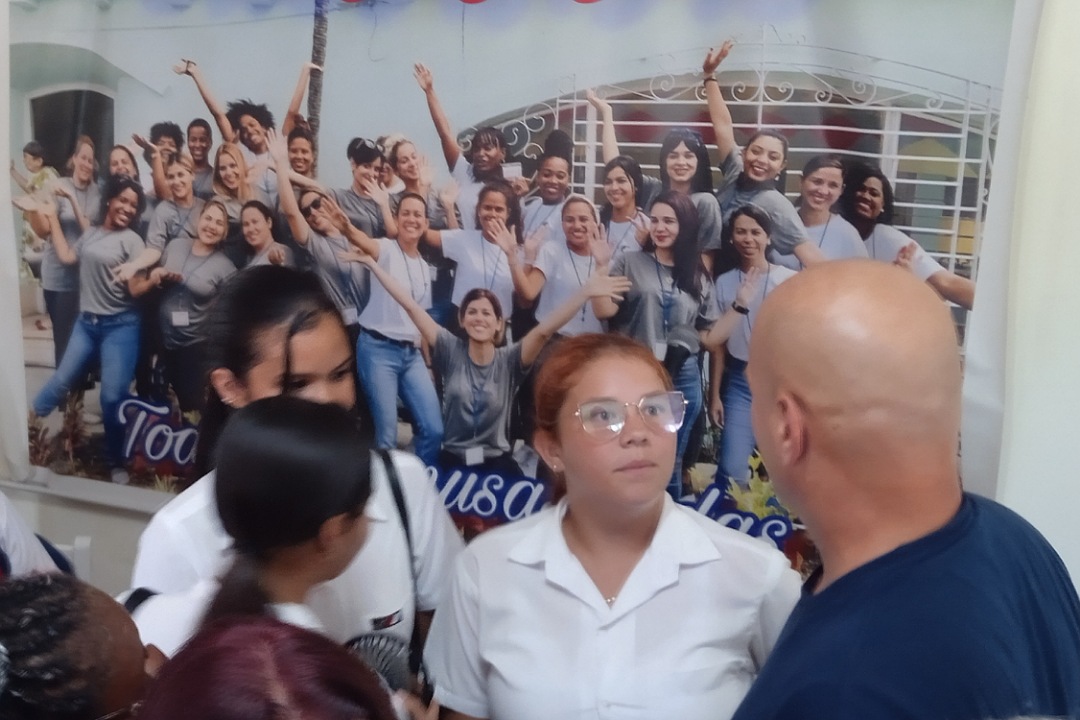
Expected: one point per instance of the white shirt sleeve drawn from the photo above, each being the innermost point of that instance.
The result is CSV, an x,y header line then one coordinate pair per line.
x,y
161,564
436,542
453,244
24,551
452,653
777,602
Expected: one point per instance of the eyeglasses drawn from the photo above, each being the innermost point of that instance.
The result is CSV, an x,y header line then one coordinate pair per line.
x,y
605,418
315,204
124,712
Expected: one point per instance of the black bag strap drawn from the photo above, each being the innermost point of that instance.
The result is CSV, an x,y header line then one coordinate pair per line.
x,y
137,597
399,499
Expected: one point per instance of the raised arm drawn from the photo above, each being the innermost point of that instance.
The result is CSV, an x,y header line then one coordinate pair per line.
x,y
429,329
157,167
714,338
292,114
20,179
597,286
279,155
190,67
450,148
603,307
356,237
64,251
380,195
953,288
719,114
609,143
528,281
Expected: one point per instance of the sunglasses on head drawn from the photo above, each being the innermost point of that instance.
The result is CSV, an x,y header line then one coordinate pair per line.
x,y
315,204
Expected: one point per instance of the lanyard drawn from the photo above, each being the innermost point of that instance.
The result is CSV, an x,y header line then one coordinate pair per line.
x,y
479,404
423,277
536,225
580,282
667,297
764,290
188,277
183,221
618,244
483,255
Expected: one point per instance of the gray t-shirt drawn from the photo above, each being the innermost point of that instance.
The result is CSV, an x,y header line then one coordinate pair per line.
x,y
347,283
476,399
184,304
55,275
100,251
170,221
710,222
202,184
655,306
363,212
788,230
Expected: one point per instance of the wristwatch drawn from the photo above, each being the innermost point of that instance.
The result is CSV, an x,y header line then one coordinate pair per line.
x,y
739,308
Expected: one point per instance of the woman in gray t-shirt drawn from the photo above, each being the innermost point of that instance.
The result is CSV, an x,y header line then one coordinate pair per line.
x,y
479,377
192,271
108,324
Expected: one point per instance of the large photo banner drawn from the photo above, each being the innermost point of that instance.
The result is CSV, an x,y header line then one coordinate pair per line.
x,y
479,161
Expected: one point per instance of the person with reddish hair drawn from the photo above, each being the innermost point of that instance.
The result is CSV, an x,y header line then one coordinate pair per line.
x,y
258,668
585,595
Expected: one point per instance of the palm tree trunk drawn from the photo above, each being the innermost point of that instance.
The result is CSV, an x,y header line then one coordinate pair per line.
x,y
318,56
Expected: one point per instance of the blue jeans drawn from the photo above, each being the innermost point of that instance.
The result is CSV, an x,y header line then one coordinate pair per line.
x,y
687,381
388,369
737,440
115,340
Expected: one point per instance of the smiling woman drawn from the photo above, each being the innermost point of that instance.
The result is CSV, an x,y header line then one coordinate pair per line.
x,y
608,567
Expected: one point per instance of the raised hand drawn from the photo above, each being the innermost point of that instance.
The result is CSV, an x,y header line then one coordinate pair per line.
x,y
448,194
278,147
600,247
184,67
641,225
423,77
534,241
375,191
600,284
503,236
750,286
714,57
309,66
596,101
427,174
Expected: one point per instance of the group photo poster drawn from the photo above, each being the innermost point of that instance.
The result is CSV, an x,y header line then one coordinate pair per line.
x,y
913,89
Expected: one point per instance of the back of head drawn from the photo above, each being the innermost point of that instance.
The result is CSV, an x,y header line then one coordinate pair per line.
x,y
60,648
260,668
868,355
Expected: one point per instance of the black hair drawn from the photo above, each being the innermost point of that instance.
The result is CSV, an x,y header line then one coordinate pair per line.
x,y
414,196
201,123
513,206
165,129
820,162
261,207
250,303
702,180
55,670
487,136
362,151
559,144
116,184
854,177
284,467
754,212
239,108
780,182
687,270
300,131
633,170
34,149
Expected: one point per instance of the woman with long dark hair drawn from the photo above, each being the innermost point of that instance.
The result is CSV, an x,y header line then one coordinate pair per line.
x,y
625,223
669,304
867,203
107,328
273,331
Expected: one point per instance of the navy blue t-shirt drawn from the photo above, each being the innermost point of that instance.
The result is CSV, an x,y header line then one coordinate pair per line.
x,y
978,620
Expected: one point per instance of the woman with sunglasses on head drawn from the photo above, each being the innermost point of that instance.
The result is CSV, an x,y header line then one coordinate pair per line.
x,y
867,203
479,378
569,613
754,175
739,294
107,328
480,164
365,201
273,331
669,305
819,190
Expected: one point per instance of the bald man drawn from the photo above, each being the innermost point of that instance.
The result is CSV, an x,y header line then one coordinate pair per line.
x,y
931,603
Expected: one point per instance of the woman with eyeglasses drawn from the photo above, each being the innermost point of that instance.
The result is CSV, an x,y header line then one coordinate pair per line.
x,y
615,598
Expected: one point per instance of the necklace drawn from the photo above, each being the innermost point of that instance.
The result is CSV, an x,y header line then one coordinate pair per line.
x,y
580,282
423,277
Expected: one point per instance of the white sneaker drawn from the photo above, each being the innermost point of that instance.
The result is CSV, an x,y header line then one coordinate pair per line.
x,y
119,476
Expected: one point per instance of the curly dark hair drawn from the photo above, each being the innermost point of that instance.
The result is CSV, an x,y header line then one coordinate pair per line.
x,y
57,664
237,109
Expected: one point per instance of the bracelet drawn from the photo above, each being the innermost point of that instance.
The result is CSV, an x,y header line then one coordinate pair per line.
x,y
739,308
706,80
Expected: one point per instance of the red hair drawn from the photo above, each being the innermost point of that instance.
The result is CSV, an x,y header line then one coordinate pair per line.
x,y
256,668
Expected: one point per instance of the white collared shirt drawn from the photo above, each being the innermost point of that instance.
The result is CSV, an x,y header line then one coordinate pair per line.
x,y
524,632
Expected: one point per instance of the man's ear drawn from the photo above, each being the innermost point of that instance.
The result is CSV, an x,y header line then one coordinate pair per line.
x,y
792,441
228,387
